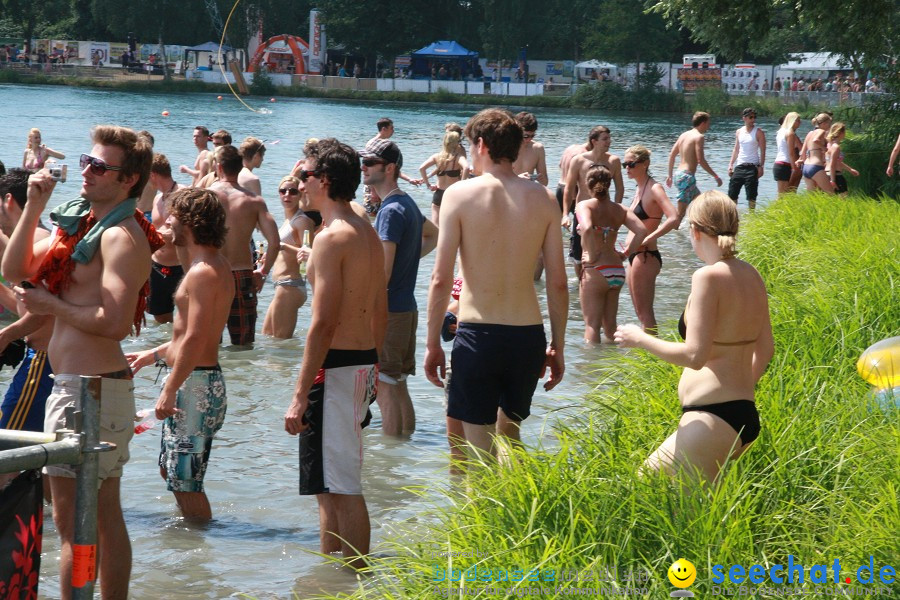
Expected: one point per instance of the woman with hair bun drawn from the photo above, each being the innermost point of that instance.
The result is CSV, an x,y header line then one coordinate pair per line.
x,y
812,156
835,159
602,275
727,346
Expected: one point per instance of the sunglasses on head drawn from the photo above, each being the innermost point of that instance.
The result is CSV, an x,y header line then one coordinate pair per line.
x,y
630,164
305,174
290,191
98,167
371,162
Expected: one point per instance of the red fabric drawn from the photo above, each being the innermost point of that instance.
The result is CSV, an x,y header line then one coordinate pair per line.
x,y
56,270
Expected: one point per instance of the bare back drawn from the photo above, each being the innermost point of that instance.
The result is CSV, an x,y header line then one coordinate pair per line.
x,y
243,211
353,244
688,145
214,277
502,225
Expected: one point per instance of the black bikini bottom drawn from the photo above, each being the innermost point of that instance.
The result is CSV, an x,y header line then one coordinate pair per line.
x,y
741,415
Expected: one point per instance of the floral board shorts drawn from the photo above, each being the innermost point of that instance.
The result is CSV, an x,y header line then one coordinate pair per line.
x,y
187,437
687,187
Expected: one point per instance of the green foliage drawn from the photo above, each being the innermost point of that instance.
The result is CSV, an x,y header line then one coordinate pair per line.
x,y
868,154
711,99
611,96
262,83
820,483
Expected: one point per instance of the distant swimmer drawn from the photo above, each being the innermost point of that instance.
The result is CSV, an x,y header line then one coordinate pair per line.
x,y
338,375
202,163
690,146
192,402
498,223
95,292
244,212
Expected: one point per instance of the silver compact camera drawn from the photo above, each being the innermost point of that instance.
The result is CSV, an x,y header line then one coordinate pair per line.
x,y
58,172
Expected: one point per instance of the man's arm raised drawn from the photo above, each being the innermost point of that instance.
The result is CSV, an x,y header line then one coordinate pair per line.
x,y
23,256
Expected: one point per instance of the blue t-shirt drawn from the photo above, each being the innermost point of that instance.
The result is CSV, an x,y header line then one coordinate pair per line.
x,y
400,221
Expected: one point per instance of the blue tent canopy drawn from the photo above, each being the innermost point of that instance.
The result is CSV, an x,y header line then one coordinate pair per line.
x,y
445,49
209,47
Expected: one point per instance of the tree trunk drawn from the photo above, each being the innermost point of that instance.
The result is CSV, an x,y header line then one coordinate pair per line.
x,y
637,76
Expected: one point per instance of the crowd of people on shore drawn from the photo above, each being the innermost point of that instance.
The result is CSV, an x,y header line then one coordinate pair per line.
x,y
137,242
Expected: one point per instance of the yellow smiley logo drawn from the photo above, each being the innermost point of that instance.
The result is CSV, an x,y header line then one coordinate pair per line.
x,y
682,573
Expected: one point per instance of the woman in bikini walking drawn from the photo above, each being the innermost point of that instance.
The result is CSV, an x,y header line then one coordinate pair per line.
x,y
727,346
812,156
650,205
450,167
602,275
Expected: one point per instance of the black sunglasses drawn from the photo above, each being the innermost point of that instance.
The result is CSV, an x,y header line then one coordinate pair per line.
x,y
371,162
290,191
98,167
630,164
305,174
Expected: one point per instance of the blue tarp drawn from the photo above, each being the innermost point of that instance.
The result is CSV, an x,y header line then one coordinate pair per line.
x,y
446,49
209,47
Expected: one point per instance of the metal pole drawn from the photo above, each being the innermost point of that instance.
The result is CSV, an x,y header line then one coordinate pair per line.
x,y
18,439
37,456
84,548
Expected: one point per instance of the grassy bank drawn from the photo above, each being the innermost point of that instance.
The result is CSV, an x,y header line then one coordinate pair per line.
x,y
598,97
820,483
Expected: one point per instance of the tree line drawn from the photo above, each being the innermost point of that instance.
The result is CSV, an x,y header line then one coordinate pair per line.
x,y
864,33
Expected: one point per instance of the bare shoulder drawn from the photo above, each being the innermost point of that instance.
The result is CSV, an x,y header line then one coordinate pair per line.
x,y
615,161
125,234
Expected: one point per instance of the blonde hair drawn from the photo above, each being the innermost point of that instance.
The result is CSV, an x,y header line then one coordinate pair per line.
x,y
289,179
31,132
836,130
821,118
715,214
789,120
640,153
448,150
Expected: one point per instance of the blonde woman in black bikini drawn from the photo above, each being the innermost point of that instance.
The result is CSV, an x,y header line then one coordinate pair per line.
x,y
450,167
650,205
727,346
602,274
812,156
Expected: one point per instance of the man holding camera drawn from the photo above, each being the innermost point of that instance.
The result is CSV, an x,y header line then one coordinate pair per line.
x,y
93,282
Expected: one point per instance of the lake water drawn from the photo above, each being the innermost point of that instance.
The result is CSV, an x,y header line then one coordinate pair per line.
x,y
264,535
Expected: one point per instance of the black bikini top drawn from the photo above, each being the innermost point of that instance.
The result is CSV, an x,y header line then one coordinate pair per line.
x,y
682,331
451,173
639,211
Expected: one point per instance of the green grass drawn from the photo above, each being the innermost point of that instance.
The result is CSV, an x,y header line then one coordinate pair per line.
x,y
821,482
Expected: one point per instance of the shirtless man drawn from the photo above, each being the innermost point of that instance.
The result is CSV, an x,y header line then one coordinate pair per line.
x,y
244,211
252,153
96,299
532,160
145,201
577,188
166,271
219,139
195,388
568,154
500,350
690,147
338,374
371,200
201,164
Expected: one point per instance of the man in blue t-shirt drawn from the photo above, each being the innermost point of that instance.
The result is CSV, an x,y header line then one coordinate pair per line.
x,y
406,236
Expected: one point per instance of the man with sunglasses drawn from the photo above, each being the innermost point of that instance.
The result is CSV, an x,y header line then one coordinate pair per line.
x,y
245,211
406,236
498,224
92,283
747,159
337,376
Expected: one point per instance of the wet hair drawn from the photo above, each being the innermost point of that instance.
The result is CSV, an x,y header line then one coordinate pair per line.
x,y
499,131
251,147
452,126
699,118
229,159
595,133
448,148
224,135
715,214
383,122
340,163
147,135
788,122
289,179
836,130
640,153
527,121
202,211
821,118
598,180
309,145
137,151
161,165
15,182
204,131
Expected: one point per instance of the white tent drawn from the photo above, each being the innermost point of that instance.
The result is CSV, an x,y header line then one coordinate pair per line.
x,y
594,64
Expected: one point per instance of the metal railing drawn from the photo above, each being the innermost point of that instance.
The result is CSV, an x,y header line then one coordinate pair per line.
x,y
78,444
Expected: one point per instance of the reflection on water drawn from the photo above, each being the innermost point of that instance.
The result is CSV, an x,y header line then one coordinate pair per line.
x,y
264,536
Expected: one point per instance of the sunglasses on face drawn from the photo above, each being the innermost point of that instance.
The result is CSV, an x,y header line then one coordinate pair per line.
x,y
630,164
371,162
290,191
305,174
98,167
528,136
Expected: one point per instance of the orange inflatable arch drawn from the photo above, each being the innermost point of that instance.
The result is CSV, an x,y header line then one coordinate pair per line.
x,y
295,43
